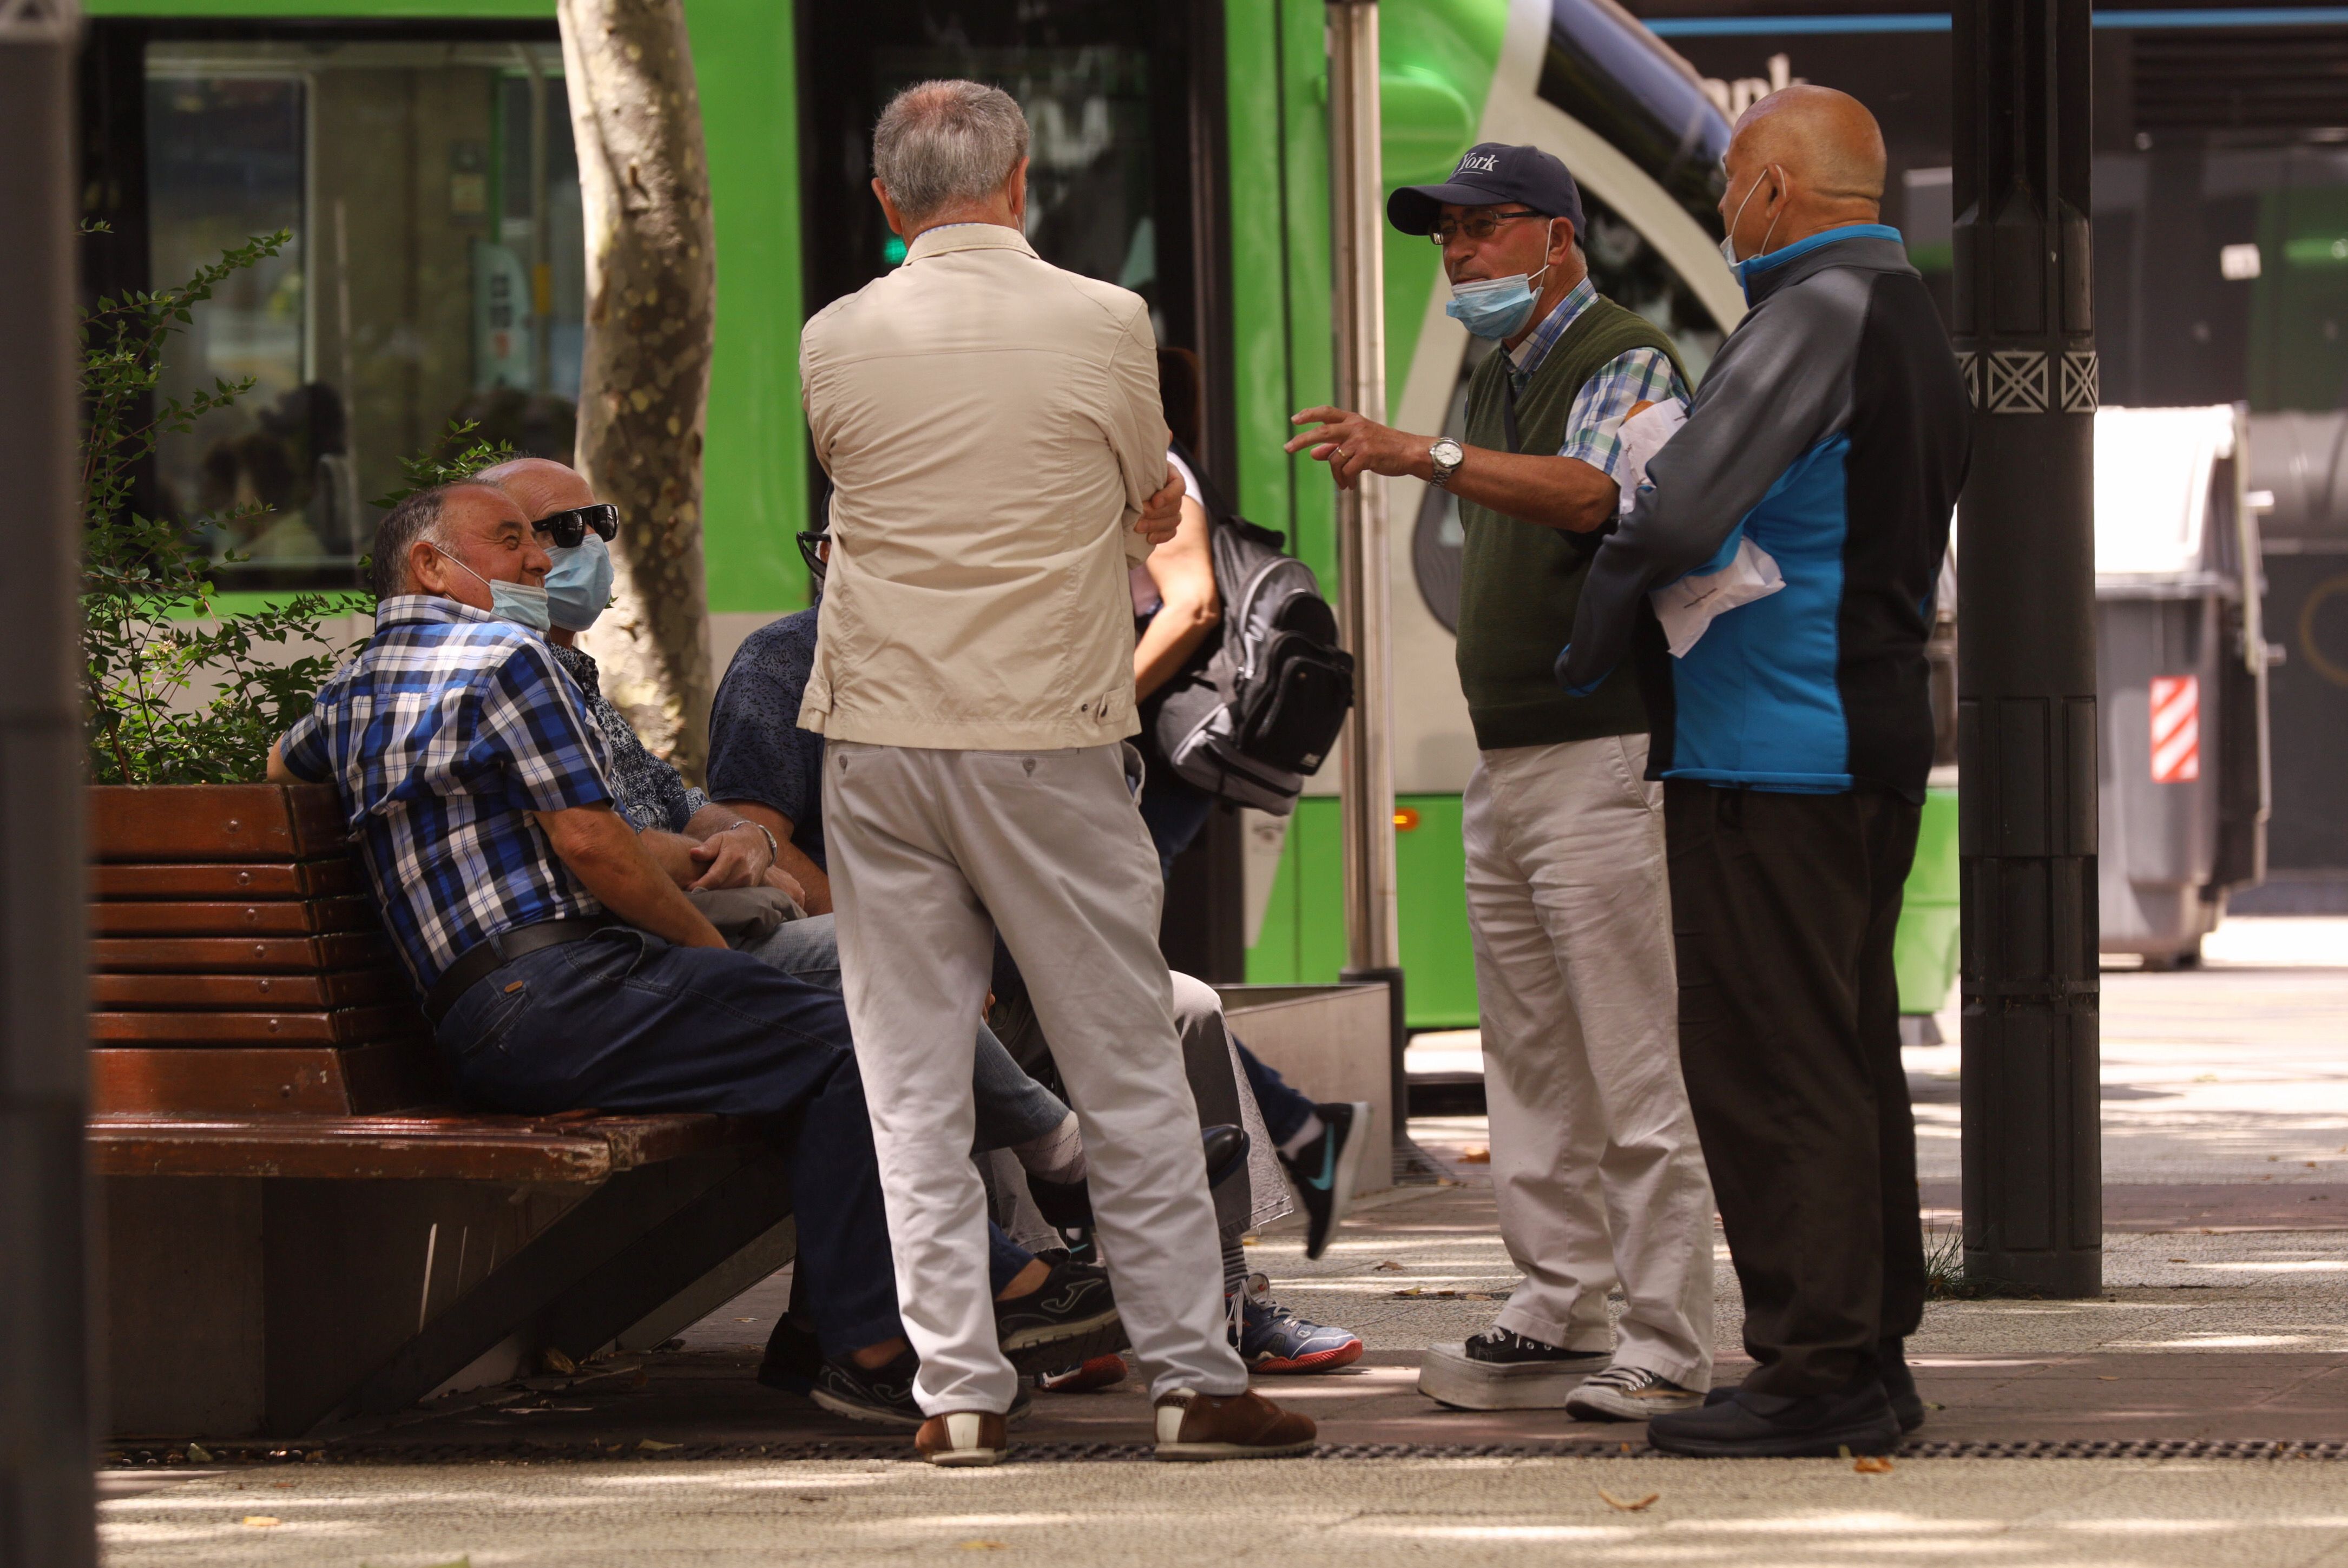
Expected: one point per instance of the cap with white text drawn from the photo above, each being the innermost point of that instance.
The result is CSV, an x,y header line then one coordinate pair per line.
x,y
1491,174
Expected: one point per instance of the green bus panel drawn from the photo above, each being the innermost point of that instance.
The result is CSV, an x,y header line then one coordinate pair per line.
x,y
1925,951
1303,936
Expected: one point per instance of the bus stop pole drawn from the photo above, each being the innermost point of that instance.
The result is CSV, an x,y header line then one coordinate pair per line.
x,y
47,1442
2027,649
1364,596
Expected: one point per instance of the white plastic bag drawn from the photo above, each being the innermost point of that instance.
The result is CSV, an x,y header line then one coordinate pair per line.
x,y
1687,608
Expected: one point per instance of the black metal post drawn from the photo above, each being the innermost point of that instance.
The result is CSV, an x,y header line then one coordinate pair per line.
x,y
2026,648
46,1448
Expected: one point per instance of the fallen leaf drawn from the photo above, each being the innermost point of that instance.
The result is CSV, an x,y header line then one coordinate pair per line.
x,y
654,1444
198,1455
981,1546
2179,1260
1475,1154
1388,1266
746,1320
1872,1464
260,1521
555,1361
2101,1377
1639,1506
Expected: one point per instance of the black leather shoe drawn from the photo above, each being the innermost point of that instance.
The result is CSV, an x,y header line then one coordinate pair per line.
x,y
1068,1205
792,1357
1227,1151
1747,1425
1899,1383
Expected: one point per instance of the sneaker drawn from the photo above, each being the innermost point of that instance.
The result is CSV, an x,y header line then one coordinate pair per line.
x,y
792,1357
1628,1393
1898,1384
1323,1170
1245,1426
1749,1425
1273,1339
1099,1372
880,1394
1501,1369
962,1438
1068,1319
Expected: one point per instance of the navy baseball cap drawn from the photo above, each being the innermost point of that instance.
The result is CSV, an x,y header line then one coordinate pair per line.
x,y
1491,174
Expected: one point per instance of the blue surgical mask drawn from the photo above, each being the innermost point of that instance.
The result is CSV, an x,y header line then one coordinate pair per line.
x,y
1494,307
1728,240
523,604
580,586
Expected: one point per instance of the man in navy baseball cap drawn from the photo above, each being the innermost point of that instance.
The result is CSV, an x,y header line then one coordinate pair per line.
x,y
1491,174
1565,875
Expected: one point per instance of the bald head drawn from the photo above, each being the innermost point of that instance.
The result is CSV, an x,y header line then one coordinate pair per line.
x,y
1804,158
541,486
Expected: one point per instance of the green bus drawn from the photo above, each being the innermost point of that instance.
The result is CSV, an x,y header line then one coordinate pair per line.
x,y
419,151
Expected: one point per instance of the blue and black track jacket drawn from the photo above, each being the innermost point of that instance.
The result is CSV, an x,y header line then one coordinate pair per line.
x,y
1833,432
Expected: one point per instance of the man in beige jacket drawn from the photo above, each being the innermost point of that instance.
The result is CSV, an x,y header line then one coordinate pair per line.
x,y
991,426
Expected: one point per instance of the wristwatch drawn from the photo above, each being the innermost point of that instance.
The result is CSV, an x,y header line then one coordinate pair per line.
x,y
1447,455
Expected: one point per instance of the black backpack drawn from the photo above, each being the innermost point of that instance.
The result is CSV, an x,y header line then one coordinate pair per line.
x,y
1249,721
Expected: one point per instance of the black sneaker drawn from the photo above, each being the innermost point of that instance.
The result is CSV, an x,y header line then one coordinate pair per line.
x,y
1069,1318
883,1395
1899,1383
1323,1170
1747,1425
1503,1370
792,1357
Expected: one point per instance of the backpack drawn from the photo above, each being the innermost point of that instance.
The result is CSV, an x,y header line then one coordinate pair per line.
x,y
1249,721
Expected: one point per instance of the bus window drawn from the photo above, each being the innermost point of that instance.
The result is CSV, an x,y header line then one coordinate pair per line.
x,y
436,271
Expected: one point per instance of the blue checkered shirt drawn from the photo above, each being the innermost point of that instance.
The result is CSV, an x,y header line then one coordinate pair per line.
x,y
441,733
1593,427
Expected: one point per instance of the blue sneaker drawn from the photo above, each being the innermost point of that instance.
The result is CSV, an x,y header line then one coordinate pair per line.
x,y
1274,1339
1324,1170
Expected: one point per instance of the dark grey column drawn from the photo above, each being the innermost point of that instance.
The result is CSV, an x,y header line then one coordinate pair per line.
x,y
46,1446
2026,648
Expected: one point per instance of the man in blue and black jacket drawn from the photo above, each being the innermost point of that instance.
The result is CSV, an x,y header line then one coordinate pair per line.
x,y
1793,740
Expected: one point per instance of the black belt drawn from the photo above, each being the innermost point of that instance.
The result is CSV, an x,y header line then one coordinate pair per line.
x,y
478,962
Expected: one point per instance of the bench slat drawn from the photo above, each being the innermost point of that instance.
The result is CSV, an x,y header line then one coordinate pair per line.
x,y
336,877
343,1026
217,822
306,917
455,1147
248,993
238,954
232,1080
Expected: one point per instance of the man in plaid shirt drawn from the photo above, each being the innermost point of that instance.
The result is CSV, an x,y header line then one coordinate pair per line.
x,y
559,964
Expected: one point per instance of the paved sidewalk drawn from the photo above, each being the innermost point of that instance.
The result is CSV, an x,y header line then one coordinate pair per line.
x,y
2223,1321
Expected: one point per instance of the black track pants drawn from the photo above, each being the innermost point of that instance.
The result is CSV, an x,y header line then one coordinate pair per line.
x,y
1783,910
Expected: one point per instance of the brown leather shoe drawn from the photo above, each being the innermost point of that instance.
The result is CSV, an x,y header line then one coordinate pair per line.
x,y
1245,1426
962,1438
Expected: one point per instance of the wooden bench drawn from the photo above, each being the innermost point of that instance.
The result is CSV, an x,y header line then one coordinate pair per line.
x,y
301,1231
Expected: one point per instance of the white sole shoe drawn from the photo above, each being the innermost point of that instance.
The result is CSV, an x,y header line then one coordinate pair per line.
x,y
1447,1376
1603,1404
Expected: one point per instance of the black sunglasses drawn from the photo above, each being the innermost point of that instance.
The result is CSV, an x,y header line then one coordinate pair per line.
x,y
568,528
810,551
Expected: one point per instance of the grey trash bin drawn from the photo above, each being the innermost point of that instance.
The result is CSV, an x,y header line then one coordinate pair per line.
x,y
2181,673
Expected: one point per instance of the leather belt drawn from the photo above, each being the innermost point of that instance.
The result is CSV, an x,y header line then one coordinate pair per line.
x,y
482,959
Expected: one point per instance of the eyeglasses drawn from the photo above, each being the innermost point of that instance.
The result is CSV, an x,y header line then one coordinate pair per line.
x,y
566,529
1475,225
811,551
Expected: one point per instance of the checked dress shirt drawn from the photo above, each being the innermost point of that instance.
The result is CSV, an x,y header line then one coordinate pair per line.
x,y
444,730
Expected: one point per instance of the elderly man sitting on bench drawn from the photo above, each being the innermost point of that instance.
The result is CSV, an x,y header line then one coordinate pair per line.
x,y
559,965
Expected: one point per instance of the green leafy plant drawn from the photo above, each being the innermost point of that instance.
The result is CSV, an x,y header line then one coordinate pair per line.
x,y
177,692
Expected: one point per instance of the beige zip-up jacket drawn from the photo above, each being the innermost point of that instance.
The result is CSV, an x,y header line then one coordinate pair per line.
x,y
992,428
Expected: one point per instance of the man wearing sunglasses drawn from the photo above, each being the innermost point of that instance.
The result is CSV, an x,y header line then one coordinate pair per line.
x,y
1595,1161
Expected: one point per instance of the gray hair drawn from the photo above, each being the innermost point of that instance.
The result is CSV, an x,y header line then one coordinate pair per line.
x,y
416,517
941,143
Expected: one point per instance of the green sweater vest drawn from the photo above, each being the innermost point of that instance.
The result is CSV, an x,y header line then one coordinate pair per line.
x,y
1520,582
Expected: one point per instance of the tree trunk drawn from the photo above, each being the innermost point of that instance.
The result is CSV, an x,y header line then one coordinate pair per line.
x,y
651,269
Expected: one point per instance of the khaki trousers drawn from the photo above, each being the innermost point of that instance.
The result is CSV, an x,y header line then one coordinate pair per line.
x,y
1595,1162
932,852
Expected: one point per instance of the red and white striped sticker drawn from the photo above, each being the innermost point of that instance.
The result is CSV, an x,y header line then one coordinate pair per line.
x,y
2176,729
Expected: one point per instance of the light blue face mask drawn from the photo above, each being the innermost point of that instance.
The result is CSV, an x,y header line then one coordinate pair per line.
x,y
523,604
580,586
1494,307
1728,240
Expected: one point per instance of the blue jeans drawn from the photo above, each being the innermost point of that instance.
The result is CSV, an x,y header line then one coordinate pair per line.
x,y
1173,810
626,1022
1013,1108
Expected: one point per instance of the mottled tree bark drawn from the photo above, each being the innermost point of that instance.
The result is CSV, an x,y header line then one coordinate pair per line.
x,y
651,323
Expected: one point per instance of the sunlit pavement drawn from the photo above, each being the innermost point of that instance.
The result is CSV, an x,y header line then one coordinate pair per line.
x,y
2224,1319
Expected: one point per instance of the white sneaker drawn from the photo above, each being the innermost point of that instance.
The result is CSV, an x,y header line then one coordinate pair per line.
x,y
1500,1370
1628,1393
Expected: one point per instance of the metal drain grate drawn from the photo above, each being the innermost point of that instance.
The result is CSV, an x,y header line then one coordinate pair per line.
x,y
356,1453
